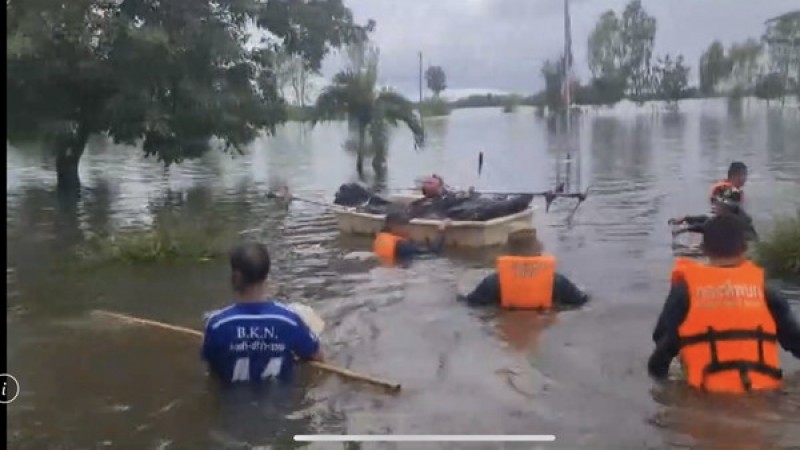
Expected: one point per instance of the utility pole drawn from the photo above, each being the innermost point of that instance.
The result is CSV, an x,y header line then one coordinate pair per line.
x,y
420,89
420,79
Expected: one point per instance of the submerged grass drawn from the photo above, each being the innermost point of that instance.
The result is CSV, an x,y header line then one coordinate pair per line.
x,y
169,239
779,252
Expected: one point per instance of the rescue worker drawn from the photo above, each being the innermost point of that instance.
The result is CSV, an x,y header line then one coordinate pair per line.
x,y
526,279
737,177
728,201
393,245
722,319
256,339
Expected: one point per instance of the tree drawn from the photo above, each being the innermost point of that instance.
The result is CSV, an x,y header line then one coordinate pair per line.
x,y
638,32
745,64
436,79
293,71
605,63
605,47
782,37
170,75
553,73
671,78
353,93
714,66
770,87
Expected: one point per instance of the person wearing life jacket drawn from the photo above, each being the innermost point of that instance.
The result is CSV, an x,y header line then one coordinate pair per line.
x,y
392,244
526,279
737,177
722,319
727,201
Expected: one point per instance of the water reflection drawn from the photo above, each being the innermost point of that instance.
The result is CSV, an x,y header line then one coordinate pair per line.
x,y
707,421
93,384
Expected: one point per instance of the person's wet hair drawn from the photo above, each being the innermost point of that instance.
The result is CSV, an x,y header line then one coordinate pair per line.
x,y
250,264
395,217
524,244
736,168
724,237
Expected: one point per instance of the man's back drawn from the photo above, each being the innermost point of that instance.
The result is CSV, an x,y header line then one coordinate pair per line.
x,y
256,341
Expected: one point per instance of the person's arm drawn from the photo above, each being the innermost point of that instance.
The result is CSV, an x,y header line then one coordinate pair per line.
x,y
486,293
788,329
305,344
566,294
665,334
406,249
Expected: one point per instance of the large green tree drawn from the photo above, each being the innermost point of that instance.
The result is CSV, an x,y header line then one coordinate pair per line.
x,y
353,94
170,75
714,67
638,33
436,79
605,61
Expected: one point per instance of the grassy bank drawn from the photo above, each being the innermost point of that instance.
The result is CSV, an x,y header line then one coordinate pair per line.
x,y
170,239
779,251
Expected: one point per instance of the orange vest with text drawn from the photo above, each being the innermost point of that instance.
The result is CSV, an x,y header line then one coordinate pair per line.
x,y
728,340
385,245
526,282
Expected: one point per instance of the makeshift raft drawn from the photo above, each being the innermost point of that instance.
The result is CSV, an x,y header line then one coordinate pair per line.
x,y
463,234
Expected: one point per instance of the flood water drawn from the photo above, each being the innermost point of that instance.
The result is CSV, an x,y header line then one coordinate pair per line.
x,y
90,383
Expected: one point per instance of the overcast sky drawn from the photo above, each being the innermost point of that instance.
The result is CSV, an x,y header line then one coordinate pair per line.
x,y
499,45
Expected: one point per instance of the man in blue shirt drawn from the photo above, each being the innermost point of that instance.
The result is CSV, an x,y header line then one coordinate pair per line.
x,y
255,339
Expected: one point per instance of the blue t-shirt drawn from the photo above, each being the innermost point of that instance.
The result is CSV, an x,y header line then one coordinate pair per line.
x,y
251,342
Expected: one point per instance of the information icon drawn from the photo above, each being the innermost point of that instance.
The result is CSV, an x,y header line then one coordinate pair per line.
x,y
9,388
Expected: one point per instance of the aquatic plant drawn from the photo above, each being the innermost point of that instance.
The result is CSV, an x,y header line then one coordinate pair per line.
x,y
779,252
169,239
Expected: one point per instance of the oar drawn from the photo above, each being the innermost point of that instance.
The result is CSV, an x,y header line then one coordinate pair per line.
x,y
390,386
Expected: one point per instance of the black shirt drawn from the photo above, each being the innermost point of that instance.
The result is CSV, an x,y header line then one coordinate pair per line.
x,y
676,308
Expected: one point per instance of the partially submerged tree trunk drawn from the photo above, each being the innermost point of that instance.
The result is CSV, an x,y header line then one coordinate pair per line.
x,y
69,150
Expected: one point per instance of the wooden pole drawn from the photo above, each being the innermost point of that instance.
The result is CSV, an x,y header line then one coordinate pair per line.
x,y
388,385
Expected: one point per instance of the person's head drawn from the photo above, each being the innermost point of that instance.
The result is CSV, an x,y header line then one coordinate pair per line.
x,y
433,186
396,222
524,243
724,238
250,265
737,173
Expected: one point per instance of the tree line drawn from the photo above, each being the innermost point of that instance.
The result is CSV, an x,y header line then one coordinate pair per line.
x,y
622,64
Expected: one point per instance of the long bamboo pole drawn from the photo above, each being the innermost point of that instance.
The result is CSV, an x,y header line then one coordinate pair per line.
x,y
388,385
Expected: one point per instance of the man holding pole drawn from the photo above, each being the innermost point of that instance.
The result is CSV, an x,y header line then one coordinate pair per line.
x,y
255,339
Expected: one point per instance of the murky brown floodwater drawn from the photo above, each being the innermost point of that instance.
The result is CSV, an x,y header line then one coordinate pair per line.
x,y
88,383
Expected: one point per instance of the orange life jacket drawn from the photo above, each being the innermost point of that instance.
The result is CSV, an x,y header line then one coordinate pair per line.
x,y
526,282
385,246
681,264
728,340
720,186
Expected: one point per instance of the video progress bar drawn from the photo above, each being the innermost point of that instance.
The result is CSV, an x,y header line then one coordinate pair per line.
x,y
425,438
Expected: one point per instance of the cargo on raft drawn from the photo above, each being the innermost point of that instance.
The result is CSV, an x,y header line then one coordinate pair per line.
x,y
367,219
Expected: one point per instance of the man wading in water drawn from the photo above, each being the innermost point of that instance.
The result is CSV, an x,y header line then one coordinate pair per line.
x,y
526,279
392,245
723,320
255,339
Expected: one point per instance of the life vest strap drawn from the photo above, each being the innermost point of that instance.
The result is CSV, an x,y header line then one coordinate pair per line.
x,y
744,367
729,335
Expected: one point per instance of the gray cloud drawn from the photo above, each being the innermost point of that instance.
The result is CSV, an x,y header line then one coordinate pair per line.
x,y
501,44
